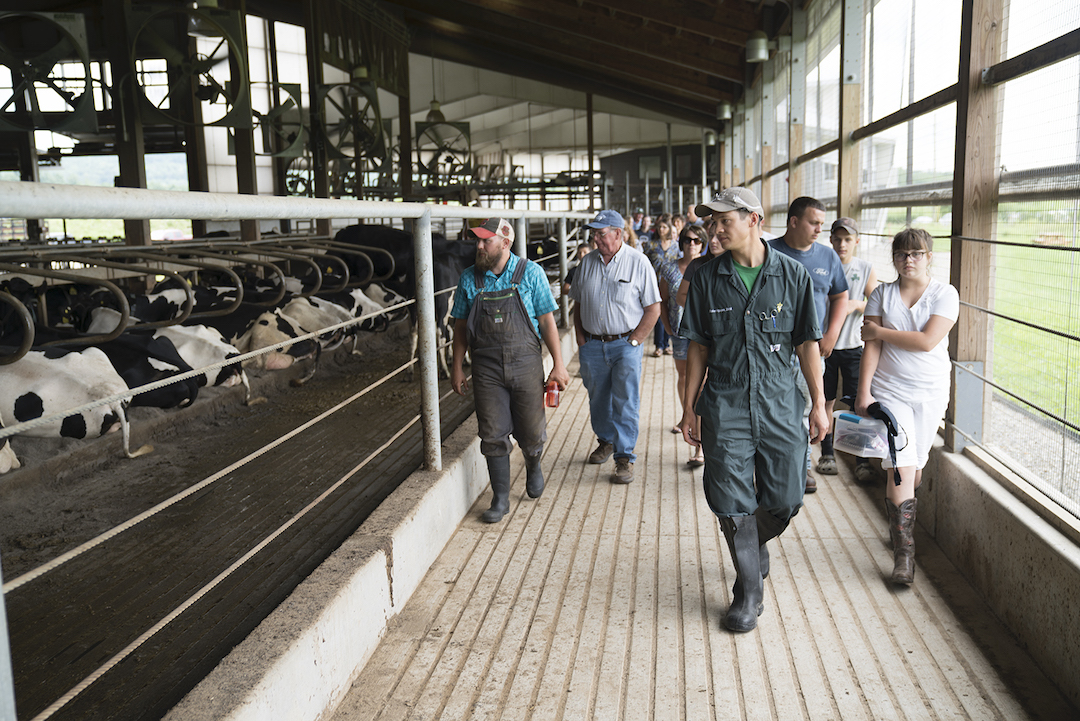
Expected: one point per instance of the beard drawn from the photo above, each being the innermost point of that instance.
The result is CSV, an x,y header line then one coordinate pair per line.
x,y
485,261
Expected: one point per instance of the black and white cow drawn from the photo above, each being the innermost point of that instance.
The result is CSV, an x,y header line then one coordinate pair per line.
x,y
8,460
43,383
198,345
450,258
271,328
141,358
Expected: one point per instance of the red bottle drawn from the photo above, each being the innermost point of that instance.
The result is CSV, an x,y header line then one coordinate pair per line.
x,y
551,395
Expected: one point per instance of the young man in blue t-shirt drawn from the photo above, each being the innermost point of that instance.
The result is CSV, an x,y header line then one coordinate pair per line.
x,y
806,217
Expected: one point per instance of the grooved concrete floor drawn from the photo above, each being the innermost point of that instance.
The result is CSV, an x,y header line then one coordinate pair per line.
x,y
601,601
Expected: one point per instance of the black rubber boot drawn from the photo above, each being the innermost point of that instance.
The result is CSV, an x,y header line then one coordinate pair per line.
x,y
902,534
534,476
499,473
747,593
768,528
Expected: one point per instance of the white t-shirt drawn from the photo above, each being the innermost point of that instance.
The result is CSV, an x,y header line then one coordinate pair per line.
x,y
856,272
918,375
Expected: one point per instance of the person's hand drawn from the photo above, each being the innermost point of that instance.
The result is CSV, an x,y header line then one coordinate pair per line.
x,y
862,402
457,381
870,330
819,423
560,375
690,427
825,346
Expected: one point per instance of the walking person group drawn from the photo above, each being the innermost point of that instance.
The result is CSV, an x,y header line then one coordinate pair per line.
x,y
754,325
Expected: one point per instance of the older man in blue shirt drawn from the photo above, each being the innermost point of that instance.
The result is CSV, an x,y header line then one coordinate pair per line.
x,y
617,304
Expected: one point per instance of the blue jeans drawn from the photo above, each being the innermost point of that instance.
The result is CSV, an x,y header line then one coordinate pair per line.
x,y
660,335
612,375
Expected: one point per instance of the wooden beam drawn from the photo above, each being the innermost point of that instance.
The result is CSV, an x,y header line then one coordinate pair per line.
x,y
851,54
1038,58
797,104
975,188
927,105
606,43
724,23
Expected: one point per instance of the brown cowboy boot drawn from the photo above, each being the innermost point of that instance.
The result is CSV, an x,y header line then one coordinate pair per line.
x,y
902,533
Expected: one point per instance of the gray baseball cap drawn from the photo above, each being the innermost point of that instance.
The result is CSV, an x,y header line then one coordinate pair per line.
x,y
847,224
731,199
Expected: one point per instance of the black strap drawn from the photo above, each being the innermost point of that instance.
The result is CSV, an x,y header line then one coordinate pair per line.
x,y
879,412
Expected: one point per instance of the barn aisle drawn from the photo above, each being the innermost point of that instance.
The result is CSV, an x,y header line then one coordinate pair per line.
x,y
603,601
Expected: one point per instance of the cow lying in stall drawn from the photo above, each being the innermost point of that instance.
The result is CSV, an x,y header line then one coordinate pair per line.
x,y
450,257
43,383
197,346
8,460
142,357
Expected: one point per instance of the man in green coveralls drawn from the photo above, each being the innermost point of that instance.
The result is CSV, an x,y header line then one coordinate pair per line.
x,y
746,311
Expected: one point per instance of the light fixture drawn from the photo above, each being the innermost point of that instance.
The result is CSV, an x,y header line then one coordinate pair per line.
x,y
757,47
434,115
723,110
359,77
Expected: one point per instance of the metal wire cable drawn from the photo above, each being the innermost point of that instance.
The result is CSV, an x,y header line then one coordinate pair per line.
x,y
134,521
132,392
172,615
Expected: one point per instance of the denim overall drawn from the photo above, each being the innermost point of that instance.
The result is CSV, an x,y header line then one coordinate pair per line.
x,y
507,370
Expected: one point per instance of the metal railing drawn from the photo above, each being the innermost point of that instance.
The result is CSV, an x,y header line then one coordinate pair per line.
x,y
36,200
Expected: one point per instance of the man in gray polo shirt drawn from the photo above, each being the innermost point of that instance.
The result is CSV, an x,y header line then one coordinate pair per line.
x,y
617,304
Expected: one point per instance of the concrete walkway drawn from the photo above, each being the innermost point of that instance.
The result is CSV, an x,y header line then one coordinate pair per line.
x,y
604,602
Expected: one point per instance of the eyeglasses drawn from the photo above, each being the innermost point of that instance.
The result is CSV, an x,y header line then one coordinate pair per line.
x,y
901,256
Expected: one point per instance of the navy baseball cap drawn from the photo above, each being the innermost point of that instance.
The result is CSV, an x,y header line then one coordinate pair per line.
x,y
606,219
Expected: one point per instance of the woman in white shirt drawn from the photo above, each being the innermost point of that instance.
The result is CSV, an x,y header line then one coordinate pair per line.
x,y
905,367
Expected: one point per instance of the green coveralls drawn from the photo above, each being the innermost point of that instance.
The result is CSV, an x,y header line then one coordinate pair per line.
x,y
751,410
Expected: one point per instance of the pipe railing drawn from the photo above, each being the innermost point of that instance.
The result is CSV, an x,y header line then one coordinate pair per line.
x,y
40,200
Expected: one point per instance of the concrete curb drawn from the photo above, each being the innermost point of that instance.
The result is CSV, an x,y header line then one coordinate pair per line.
x,y
301,660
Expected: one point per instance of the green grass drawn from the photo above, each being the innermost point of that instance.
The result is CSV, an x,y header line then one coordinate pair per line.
x,y
1035,284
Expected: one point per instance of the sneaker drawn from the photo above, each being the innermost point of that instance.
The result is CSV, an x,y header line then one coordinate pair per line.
x,y
602,453
811,484
864,472
624,471
827,465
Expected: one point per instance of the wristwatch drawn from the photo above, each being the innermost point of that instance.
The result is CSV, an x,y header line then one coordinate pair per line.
x,y
634,342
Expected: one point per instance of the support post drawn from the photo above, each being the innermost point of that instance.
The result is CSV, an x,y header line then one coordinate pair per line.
x,y
851,54
796,119
521,238
975,193
7,677
28,172
427,343
591,151
564,301
130,149
669,174
246,176
320,178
